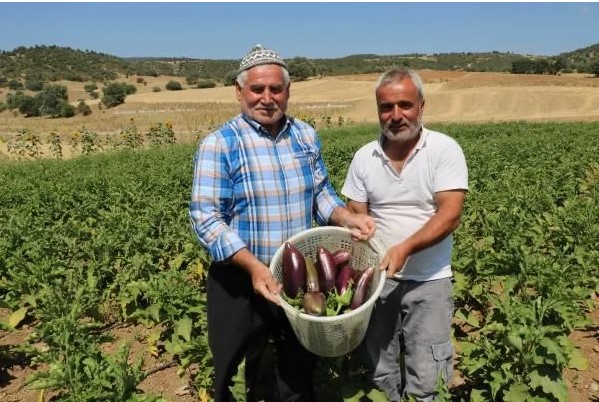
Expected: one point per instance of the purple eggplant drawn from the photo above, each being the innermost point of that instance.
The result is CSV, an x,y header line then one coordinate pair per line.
x,y
312,284
315,303
356,274
294,271
361,290
344,279
327,271
341,257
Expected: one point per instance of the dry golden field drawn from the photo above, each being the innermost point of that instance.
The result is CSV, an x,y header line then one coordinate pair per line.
x,y
450,97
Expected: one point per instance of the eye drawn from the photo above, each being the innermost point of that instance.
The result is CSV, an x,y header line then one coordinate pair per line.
x,y
385,107
406,105
276,90
257,89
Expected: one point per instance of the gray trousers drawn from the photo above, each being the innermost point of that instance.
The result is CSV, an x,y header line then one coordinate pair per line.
x,y
408,343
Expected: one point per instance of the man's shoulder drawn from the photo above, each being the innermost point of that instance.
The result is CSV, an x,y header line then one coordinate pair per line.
x,y
302,125
368,149
227,129
440,139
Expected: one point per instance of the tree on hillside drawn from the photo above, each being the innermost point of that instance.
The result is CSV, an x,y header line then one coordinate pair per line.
x,y
230,78
116,92
300,68
51,100
595,69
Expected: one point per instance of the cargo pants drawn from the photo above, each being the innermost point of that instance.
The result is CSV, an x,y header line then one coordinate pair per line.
x,y
408,346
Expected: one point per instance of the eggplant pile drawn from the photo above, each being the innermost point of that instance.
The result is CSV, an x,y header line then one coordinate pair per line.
x,y
328,286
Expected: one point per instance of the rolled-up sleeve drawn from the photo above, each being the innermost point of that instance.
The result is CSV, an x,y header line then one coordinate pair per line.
x,y
211,200
326,199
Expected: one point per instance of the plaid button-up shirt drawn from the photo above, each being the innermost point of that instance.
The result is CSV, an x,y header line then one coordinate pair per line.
x,y
250,190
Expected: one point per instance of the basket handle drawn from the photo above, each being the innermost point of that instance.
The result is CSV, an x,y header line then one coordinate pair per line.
x,y
375,245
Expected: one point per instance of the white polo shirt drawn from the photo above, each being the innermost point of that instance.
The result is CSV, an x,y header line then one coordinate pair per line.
x,y
402,203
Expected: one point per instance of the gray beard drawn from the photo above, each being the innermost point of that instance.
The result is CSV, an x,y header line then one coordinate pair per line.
x,y
415,130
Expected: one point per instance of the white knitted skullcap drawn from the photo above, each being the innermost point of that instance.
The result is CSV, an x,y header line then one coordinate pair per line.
x,y
260,55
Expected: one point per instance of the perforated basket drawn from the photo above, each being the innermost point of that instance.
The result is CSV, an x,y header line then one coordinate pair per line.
x,y
337,335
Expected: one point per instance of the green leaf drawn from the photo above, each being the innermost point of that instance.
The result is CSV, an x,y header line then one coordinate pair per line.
x,y
377,396
154,311
557,389
578,361
554,348
515,340
478,395
498,380
516,393
16,317
468,317
183,328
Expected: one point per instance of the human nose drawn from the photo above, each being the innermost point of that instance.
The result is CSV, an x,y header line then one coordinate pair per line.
x,y
266,96
396,113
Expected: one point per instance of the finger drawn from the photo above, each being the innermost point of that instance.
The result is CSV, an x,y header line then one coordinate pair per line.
x,y
385,262
357,234
268,294
273,298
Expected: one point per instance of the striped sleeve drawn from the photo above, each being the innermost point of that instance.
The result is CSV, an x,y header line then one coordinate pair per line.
x,y
211,200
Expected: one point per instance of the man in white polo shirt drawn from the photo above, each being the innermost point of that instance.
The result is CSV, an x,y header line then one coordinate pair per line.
x,y
413,182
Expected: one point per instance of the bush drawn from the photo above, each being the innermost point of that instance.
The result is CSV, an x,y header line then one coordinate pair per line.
x,y
90,87
174,85
34,85
13,101
67,110
51,101
14,84
28,106
206,84
115,93
230,78
156,89
84,108
300,68
192,78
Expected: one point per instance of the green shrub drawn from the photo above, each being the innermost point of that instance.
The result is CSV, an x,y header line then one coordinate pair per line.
x,y
14,84
230,78
84,108
90,87
174,85
116,92
13,101
67,110
34,85
206,84
28,106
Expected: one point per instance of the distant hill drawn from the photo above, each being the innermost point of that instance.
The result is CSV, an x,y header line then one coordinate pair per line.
x,y
583,58
53,63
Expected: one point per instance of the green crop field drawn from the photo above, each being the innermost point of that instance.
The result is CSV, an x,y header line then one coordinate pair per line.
x,y
104,239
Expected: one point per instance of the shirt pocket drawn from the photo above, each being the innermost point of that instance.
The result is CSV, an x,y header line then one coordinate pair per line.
x,y
301,172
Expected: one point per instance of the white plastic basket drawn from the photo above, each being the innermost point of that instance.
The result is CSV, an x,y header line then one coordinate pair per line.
x,y
337,335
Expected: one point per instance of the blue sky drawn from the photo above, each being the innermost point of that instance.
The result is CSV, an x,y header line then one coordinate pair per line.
x,y
308,29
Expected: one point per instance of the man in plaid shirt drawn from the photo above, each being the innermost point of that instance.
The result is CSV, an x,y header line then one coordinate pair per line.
x,y
258,180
